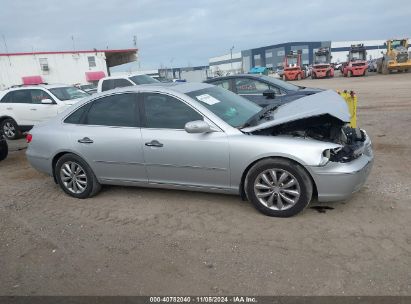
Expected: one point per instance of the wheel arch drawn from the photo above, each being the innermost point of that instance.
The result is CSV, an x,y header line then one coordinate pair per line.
x,y
247,169
58,156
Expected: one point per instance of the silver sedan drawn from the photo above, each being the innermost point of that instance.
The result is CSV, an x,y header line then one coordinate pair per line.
x,y
204,138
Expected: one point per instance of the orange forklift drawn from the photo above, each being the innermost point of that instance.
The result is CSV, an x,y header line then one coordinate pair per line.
x,y
322,67
357,64
293,69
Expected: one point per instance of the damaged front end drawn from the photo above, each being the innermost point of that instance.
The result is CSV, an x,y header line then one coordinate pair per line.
x,y
323,117
324,128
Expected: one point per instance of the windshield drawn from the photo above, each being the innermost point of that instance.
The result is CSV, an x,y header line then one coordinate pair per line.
x,y
87,86
321,58
357,55
233,109
143,79
282,84
291,61
68,93
397,43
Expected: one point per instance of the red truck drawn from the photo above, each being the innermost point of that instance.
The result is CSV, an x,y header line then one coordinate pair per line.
x,y
322,67
357,64
292,66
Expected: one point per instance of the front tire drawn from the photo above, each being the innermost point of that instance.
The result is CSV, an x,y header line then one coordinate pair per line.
x,y
75,177
278,187
10,129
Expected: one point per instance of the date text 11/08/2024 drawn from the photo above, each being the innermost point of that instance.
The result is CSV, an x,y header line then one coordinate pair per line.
x,y
205,299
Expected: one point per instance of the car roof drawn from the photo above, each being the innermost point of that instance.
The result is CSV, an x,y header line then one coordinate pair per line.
x,y
124,76
236,76
37,86
180,87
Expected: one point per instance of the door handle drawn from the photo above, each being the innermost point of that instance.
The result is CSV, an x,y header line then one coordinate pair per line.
x,y
9,108
33,109
85,140
154,143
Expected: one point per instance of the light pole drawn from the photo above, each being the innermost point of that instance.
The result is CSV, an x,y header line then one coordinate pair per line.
x,y
231,58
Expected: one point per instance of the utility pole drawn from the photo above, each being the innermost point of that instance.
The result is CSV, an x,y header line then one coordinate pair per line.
x,y
72,39
231,56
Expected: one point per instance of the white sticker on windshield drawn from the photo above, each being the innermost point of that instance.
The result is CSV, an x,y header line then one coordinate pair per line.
x,y
208,99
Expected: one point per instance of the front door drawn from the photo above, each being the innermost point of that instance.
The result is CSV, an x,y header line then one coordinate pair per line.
x,y
173,156
108,137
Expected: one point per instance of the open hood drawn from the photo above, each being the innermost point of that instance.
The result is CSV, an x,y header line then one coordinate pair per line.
x,y
322,103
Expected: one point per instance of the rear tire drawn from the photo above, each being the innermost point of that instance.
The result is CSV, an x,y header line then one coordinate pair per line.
x,y
278,187
10,129
75,177
4,150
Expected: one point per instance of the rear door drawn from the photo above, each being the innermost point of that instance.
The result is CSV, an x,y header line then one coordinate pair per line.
x,y
106,133
18,105
35,111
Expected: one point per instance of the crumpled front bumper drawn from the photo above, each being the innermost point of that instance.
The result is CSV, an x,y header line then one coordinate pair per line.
x,y
338,181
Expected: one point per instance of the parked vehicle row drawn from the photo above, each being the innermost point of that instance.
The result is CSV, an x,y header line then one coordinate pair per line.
x,y
262,90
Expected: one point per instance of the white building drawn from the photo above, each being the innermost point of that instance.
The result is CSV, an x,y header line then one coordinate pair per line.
x,y
225,64
70,67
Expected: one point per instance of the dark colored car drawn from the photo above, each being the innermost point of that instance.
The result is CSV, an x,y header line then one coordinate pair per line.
x,y
4,148
261,89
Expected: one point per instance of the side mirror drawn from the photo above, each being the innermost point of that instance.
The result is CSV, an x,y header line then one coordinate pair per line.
x,y
47,101
269,94
197,126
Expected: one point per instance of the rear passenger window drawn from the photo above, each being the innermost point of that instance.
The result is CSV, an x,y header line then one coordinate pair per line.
x,y
77,116
6,98
107,85
225,84
21,96
118,110
119,83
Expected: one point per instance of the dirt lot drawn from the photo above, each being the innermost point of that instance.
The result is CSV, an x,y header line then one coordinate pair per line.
x,y
135,241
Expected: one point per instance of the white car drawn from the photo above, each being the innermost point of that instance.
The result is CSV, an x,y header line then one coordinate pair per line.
x,y
113,82
23,107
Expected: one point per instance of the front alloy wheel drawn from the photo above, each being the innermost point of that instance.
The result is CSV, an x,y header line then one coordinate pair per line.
x,y
277,189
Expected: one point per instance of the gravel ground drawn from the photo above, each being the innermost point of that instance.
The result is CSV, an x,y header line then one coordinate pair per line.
x,y
134,241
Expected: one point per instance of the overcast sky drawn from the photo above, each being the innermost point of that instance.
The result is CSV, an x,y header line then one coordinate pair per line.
x,y
188,32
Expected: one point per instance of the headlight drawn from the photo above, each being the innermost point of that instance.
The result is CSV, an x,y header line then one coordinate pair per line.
x,y
325,157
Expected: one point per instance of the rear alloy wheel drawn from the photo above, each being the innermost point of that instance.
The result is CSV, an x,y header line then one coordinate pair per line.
x,y
75,177
278,187
10,129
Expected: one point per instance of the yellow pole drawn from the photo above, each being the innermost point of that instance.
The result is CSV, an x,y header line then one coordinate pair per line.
x,y
351,100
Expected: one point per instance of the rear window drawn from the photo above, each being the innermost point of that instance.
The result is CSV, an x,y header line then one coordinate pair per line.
x,y
143,79
68,93
77,116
